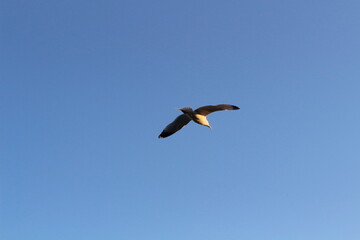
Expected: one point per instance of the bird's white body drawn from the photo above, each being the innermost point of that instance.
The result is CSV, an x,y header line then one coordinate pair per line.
x,y
200,119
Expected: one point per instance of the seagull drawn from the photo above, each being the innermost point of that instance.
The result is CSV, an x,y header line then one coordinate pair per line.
x,y
198,116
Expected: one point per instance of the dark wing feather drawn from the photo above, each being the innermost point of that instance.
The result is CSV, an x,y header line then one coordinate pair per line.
x,y
206,110
175,126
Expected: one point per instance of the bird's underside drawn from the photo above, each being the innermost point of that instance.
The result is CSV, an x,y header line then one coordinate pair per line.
x,y
198,116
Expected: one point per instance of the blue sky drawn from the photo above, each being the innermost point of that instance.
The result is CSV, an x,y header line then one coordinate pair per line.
x,y
87,86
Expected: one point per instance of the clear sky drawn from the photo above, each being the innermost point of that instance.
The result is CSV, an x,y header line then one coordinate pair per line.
x,y
87,86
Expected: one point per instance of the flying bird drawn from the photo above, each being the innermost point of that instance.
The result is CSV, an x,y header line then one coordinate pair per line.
x,y
198,116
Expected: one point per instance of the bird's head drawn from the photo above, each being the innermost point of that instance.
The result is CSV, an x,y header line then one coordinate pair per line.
x,y
186,110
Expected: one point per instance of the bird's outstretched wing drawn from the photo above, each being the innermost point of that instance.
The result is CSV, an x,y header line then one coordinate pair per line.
x,y
206,110
175,126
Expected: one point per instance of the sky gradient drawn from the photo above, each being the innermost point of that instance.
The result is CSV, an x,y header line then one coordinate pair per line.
x,y
87,86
